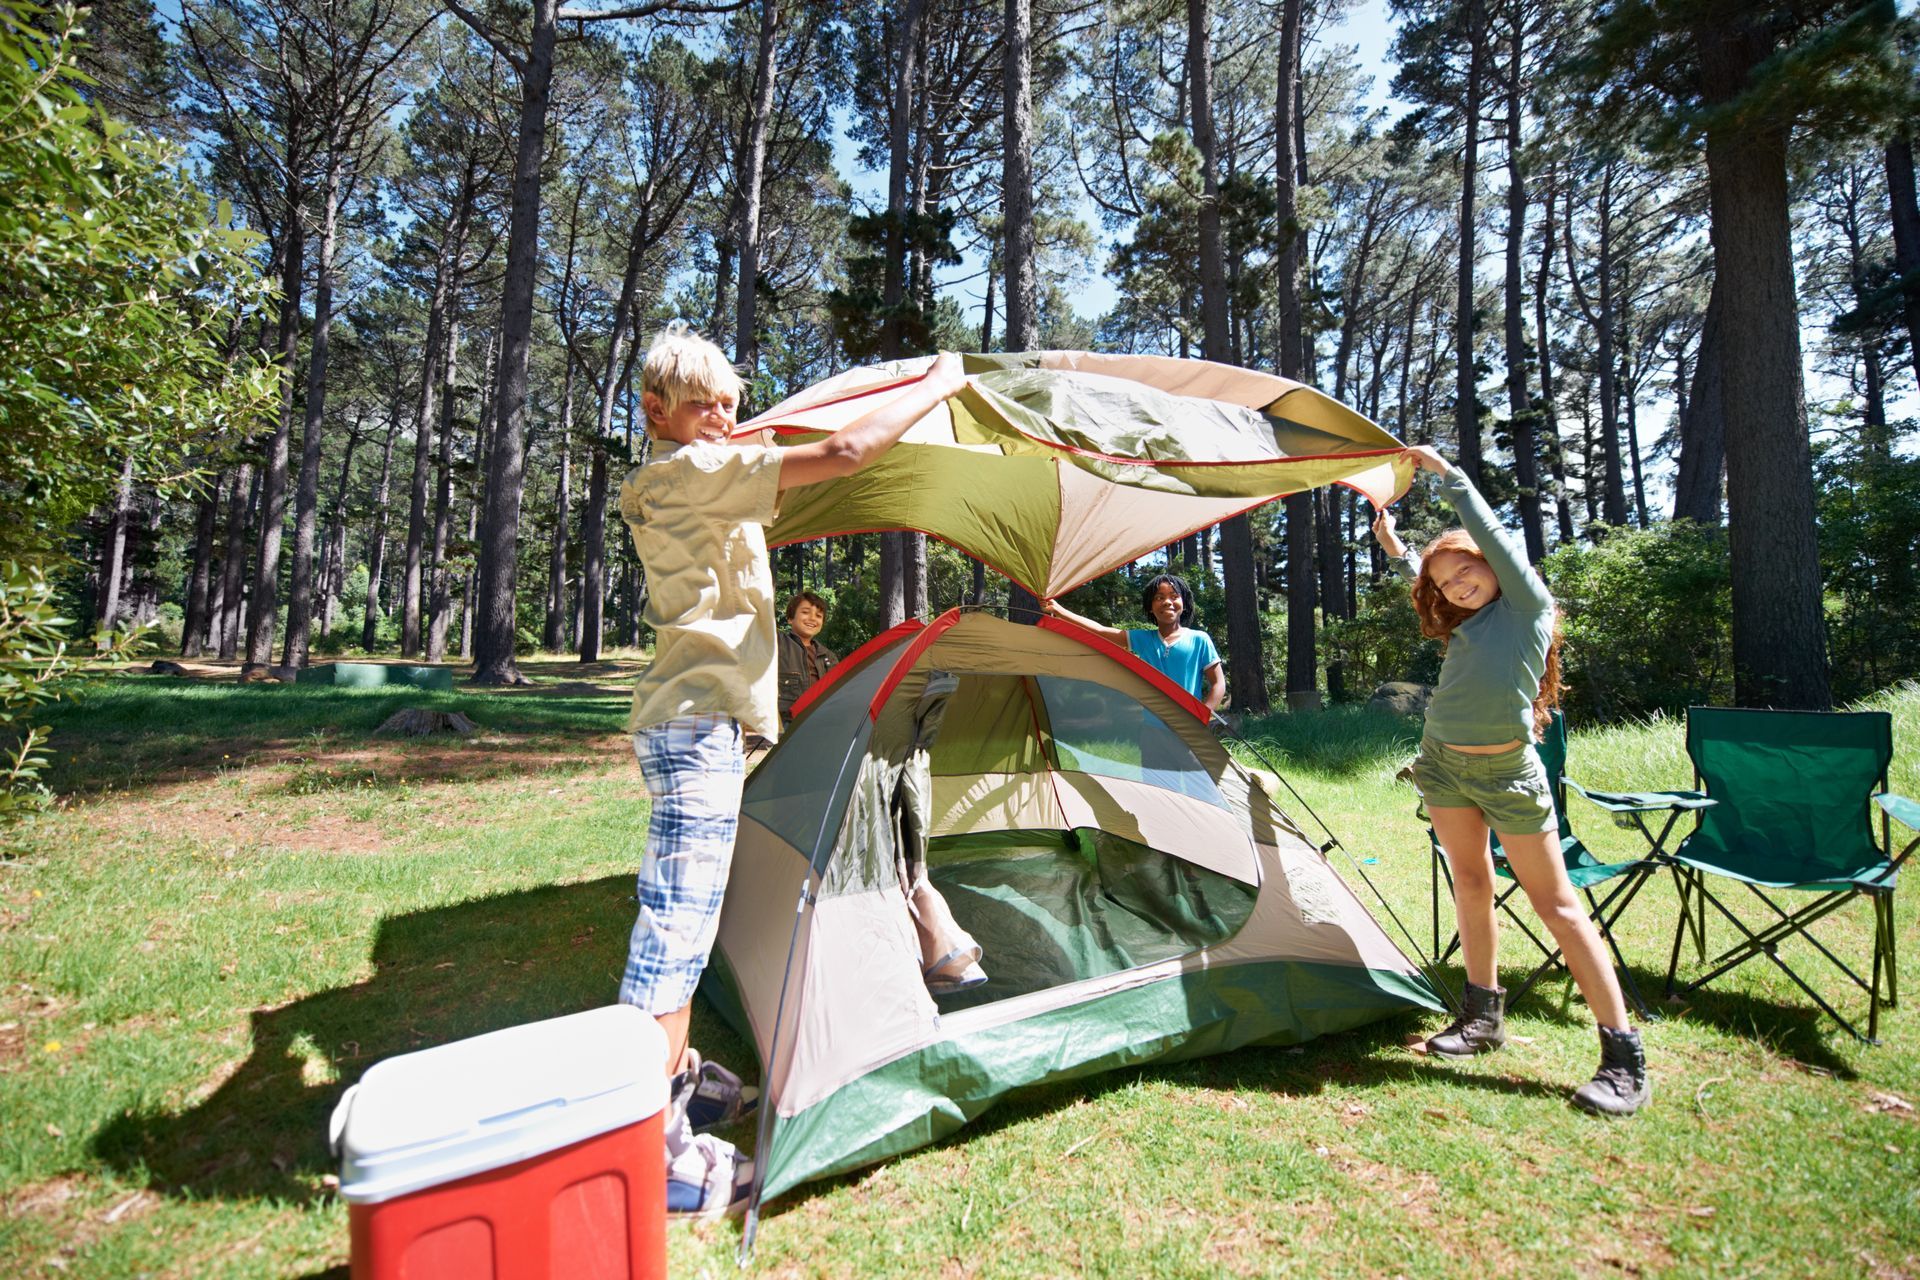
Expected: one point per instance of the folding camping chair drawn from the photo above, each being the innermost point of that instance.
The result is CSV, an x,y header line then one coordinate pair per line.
x,y
1586,872
1796,793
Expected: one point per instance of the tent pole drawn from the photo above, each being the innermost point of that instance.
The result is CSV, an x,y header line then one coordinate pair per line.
x,y
1427,964
763,1126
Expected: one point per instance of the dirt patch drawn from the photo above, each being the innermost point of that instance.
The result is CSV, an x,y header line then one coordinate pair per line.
x,y
13,1044
241,803
45,1199
569,688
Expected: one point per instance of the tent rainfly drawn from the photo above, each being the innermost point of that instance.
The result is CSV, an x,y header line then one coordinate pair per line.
x,y
1139,894
1055,467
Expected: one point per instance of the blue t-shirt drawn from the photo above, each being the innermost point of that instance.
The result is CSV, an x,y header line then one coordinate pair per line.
x,y
1184,662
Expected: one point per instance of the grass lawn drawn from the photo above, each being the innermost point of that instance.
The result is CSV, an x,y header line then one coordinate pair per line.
x,y
245,899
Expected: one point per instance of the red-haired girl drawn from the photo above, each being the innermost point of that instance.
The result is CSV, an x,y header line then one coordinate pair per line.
x,y
1478,770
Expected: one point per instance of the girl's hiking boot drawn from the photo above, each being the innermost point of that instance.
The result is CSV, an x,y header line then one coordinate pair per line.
x,y
1480,1028
1620,1086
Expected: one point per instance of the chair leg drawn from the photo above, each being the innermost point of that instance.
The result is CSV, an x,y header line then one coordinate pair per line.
x,y
1893,969
1604,915
1700,922
1681,881
1873,997
1767,942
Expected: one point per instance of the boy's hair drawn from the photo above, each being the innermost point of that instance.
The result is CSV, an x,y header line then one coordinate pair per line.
x,y
1178,584
805,597
681,365
1439,616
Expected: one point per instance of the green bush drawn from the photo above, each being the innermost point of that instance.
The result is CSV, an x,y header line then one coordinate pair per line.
x,y
1647,617
1382,641
1869,528
122,285
33,665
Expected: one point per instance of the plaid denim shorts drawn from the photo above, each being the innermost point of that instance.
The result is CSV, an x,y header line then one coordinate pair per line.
x,y
694,770
1509,788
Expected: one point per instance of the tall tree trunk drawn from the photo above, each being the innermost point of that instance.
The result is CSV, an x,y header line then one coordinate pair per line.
x,y
1526,458
1543,345
263,608
306,510
746,346
1779,639
593,559
440,603
1333,595
1697,483
507,452
1600,313
233,570
894,548
986,311
193,631
1631,383
1016,183
334,563
1247,678
1905,213
113,552
1873,390
894,282
916,575
426,418
554,637
1303,595
377,541
1017,177
1466,394
593,520
893,579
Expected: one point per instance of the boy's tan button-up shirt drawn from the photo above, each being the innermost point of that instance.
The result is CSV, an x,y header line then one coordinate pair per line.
x,y
698,514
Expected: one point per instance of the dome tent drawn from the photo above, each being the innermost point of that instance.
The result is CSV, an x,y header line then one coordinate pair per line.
x,y
1139,894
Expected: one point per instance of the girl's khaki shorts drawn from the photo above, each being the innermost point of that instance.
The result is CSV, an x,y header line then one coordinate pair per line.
x,y
1509,788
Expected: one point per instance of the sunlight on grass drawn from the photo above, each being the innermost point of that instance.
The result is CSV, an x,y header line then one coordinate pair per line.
x,y
249,899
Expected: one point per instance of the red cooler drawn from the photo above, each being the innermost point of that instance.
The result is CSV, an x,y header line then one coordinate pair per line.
x,y
524,1154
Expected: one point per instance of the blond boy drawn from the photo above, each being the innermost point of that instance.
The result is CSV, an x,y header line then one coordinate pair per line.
x,y
698,511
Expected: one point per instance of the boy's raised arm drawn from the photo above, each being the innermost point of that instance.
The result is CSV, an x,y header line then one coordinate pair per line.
x,y
853,447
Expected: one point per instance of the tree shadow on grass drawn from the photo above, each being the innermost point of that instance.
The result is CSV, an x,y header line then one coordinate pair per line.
x,y
439,975
1796,1031
130,735
1363,1057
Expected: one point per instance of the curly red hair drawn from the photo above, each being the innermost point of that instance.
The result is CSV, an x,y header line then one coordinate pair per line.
x,y
1439,616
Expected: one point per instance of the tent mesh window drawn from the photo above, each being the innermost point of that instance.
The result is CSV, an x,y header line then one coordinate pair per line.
x,y
1055,906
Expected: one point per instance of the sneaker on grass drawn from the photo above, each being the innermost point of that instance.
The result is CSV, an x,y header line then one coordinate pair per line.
x,y
706,1176
711,1096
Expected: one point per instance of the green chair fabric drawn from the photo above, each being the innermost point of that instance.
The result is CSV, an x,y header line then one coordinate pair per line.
x,y
1584,870
1796,795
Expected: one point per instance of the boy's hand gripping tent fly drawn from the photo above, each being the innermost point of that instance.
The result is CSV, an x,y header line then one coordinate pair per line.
x,y
1055,467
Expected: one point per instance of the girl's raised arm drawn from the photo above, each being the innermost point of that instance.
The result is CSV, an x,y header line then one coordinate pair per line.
x,y
1518,582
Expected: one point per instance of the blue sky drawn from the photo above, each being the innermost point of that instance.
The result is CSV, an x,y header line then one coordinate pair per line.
x,y
1368,27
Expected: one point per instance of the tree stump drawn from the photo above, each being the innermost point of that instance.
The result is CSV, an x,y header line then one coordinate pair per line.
x,y
418,722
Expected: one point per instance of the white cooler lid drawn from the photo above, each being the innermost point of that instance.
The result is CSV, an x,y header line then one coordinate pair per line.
x,y
427,1118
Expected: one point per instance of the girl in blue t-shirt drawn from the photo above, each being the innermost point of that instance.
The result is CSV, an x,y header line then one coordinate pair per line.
x,y
1183,656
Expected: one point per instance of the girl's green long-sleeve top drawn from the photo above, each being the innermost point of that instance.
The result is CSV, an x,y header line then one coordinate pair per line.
x,y
1495,658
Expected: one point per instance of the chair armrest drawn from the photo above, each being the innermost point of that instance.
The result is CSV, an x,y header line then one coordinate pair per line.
x,y
1900,809
1645,801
